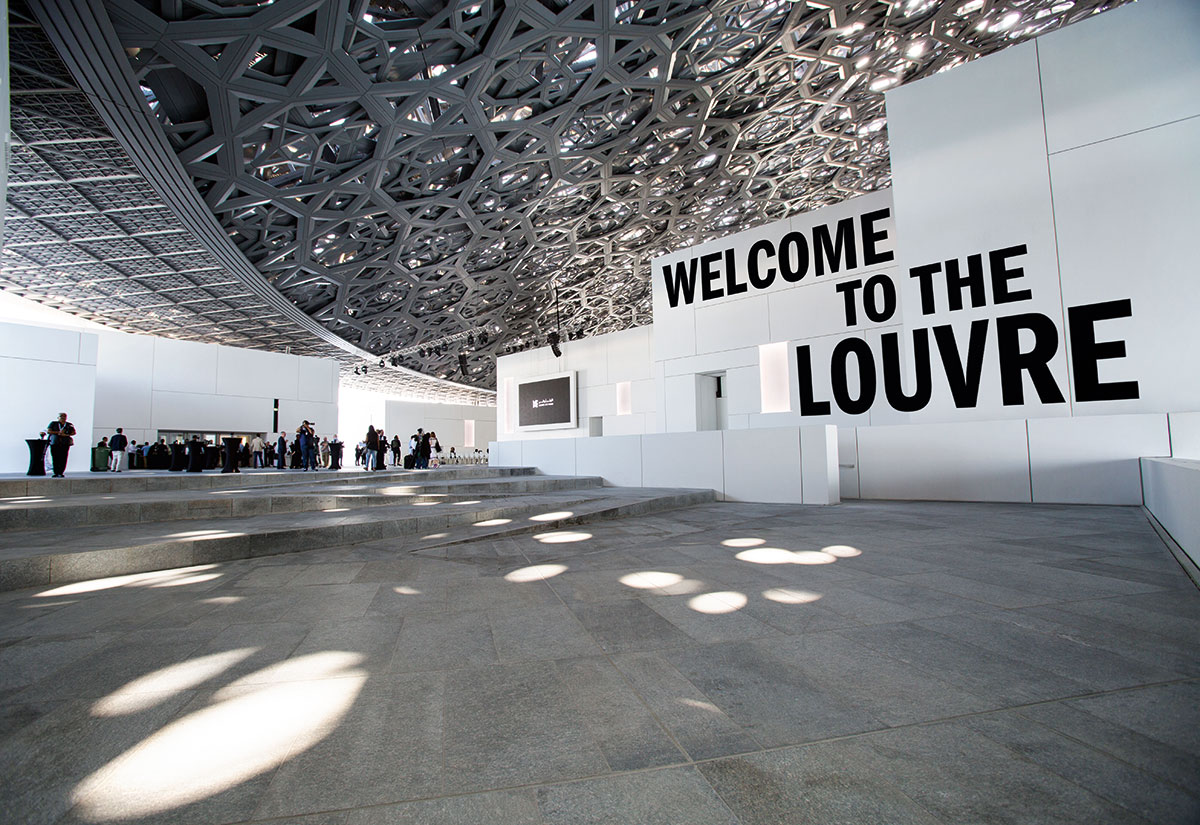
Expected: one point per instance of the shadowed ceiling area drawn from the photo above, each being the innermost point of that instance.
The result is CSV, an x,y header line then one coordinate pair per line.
x,y
426,179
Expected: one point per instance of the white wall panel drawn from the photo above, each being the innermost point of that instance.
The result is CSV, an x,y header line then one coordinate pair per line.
x,y
505,453
819,464
39,343
317,379
1122,71
848,461
632,424
616,459
1172,489
1121,236
46,388
1185,434
255,373
124,382
291,413
89,348
974,461
598,400
742,390
680,403
185,366
732,324
485,431
1093,459
762,465
553,456
205,412
691,459
628,354
644,396
713,362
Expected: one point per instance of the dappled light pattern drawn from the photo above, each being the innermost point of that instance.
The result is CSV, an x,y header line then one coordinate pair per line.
x,y
153,688
157,578
648,579
552,516
536,572
744,542
562,537
778,555
842,551
787,595
493,522
723,602
251,727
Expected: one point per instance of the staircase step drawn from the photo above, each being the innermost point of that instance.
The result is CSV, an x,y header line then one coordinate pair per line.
x,y
37,558
31,513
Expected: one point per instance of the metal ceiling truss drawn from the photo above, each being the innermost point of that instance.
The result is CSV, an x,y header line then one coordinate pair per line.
x,y
86,232
406,171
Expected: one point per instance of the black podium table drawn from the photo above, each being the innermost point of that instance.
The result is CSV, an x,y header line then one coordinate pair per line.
x,y
178,458
196,457
232,445
335,455
37,456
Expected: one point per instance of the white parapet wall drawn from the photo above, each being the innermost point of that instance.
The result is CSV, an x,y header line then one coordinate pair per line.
x,y
1172,488
787,465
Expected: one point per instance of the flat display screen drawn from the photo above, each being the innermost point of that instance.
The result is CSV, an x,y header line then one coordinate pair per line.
x,y
549,402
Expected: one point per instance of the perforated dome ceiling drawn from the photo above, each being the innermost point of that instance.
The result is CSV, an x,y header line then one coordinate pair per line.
x,y
425,178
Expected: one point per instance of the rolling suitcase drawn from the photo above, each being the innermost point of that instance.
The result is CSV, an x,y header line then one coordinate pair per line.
x,y
410,461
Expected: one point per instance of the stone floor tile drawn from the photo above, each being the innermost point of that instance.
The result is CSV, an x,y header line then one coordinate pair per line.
x,y
526,634
620,627
662,797
494,808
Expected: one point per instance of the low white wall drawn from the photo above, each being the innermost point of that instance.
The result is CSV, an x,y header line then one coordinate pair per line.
x,y
1172,488
45,372
786,465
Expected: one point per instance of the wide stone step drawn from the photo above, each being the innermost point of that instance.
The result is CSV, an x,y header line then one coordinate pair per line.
x,y
37,558
26,513
149,481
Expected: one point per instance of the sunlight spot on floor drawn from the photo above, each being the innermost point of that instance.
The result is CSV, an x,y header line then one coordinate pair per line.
x,y
766,555
814,557
699,705
715,603
244,733
842,551
337,510
536,572
493,522
743,542
405,590
472,501
311,666
157,577
649,579
223,600
147,691
435,536
561,537
786,595
185,580
552,516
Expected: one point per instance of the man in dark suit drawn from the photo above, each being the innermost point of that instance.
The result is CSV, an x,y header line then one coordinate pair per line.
x,y
61,433
281,451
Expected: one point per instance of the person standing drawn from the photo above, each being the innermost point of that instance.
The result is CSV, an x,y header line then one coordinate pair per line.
x,y
395,450
325,452
423,449
381,458
117,445
281,451
257,446
306,439
372,452
61,433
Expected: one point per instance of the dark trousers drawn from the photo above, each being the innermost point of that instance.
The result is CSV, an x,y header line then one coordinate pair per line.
x,y
310,457
58,456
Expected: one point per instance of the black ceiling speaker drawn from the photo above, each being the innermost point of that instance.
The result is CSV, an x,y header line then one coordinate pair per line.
x,y
462,363
554,339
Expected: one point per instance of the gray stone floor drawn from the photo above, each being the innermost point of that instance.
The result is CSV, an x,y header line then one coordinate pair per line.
x,y
869,663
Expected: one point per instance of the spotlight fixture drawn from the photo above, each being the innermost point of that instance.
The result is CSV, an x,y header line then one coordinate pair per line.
x,y
421,352
471,340
483,339
364,370
554,339
356,371
381,364
462,364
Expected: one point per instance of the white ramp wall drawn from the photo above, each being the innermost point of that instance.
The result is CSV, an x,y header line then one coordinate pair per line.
x,y
45,372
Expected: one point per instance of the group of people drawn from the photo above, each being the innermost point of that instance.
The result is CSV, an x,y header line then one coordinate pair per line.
x,y
423,447
305,450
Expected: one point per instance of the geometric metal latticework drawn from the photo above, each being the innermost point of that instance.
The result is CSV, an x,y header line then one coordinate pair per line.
x,y
411,172
85,232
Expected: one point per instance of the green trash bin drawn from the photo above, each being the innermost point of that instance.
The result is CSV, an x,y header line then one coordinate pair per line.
x,y
100,459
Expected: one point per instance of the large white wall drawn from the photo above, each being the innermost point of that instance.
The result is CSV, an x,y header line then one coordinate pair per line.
x,y
45,372
146,384
1076,154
